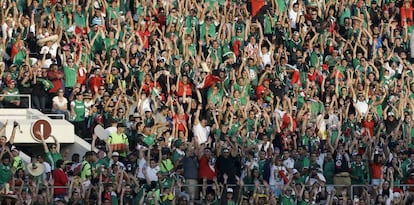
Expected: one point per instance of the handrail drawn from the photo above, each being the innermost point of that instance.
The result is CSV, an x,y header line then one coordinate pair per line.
x,y
20,95
62,116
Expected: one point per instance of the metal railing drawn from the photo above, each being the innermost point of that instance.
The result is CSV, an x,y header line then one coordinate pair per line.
x,y
351,187
35,116
20,95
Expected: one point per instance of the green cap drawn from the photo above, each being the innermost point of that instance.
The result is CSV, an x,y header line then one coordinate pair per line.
x,y
177,143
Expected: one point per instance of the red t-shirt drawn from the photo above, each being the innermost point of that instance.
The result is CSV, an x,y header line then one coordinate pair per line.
x,y
286,122
406,14
376,170
410,180
147,87
180,120
188,86
204,170
94,83
260,90
369,126
144,37
60,180
57,82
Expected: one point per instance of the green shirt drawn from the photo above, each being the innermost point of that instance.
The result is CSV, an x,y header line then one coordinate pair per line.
x,y
253,74
70,76
79,19
166,166
286,200
113,12
360,172
203,30
329,171
53,158
104,161
86,170
18,163
79,108
149,140
5,173
9,91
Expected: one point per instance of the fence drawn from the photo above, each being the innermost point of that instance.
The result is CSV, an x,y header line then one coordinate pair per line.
x,y
352,187
29,105
30,116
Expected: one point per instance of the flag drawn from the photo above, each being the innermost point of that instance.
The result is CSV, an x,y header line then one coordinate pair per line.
x,y
256,6
208,81
296,77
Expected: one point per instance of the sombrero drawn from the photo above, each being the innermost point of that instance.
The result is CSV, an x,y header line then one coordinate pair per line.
x,y
52,38
35,169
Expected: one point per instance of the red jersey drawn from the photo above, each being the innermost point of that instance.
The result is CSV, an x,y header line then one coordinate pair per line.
x,y
95,82
181,86
180,120
369,127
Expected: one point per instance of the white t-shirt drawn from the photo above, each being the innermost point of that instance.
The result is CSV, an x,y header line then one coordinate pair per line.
x,y
201,133
146,105
292,17
275,178
266,58
48,169
88,105
60,102
362,107
141,164
118,163
265,146
110,130
289,163
152,173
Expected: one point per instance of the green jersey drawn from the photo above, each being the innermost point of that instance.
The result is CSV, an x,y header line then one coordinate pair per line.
x,y
70,74
53,158
5,173
79,109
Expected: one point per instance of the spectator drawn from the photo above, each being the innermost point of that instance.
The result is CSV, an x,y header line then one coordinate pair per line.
x,y
294,102
60,180
118,141
78,110
60,104
10,99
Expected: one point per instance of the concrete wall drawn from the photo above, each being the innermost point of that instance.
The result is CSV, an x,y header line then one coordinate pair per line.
x,y
61,129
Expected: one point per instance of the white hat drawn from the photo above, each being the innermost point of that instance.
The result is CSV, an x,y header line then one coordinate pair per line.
x,y
295,171
396,194
36,169
13,148
229,190
115,154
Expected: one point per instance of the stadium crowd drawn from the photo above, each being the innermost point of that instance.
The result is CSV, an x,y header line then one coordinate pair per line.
x,y
213,102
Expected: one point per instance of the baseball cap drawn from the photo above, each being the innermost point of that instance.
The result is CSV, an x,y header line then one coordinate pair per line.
x,y
120,124
13,148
